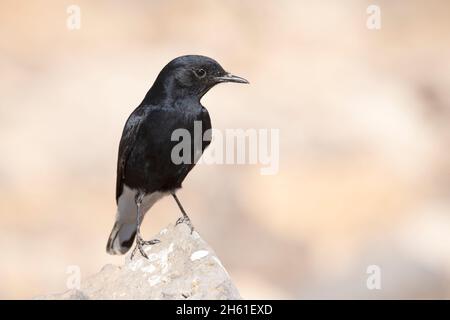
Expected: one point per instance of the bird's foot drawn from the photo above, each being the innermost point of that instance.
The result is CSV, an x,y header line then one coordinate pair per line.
x,y
151,242
140,243
187,221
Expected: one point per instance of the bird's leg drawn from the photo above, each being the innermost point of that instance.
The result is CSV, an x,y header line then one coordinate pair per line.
x,y
139,241
138,246
184,219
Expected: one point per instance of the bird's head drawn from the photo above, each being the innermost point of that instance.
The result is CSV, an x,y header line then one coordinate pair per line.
x,y
191,76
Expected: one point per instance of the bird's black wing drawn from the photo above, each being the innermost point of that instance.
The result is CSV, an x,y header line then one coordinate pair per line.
x,y
127,143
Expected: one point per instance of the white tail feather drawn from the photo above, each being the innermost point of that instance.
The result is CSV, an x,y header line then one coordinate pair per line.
x,y
124,230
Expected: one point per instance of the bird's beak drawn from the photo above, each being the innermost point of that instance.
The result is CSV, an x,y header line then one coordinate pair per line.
x,y
231,78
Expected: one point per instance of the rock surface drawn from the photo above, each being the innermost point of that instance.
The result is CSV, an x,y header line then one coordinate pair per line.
x,y
181,266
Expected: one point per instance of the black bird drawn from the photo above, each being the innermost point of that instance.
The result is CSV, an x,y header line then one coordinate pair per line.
x,y
145,170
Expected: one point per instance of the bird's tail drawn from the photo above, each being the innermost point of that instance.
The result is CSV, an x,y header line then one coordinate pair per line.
x,y
121,238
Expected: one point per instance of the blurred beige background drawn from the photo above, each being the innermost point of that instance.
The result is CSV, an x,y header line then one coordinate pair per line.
x,y
364,119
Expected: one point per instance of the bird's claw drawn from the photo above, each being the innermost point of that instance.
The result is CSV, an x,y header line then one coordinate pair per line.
x,y
140,243
187,221
151,242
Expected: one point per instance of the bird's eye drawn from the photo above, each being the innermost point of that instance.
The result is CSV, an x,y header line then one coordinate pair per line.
x,y
201,73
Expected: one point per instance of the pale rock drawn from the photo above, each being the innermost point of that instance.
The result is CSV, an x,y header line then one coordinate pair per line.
x,y
181,266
